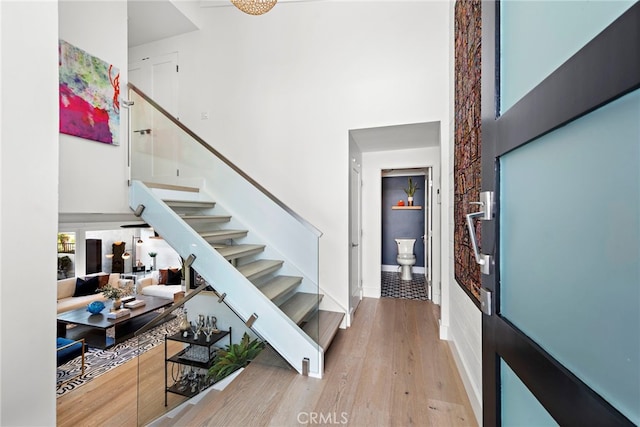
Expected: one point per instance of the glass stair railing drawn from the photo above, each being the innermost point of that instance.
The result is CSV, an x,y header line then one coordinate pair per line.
x,y
257,259
239,285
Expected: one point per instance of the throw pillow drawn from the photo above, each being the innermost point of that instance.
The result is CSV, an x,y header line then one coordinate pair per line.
x,y
86,287
103,279
162,276
174,277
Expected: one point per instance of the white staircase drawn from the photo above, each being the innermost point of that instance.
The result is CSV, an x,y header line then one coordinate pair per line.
x,y
290,294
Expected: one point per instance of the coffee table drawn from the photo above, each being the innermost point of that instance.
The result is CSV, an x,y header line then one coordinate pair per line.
x,y
94,327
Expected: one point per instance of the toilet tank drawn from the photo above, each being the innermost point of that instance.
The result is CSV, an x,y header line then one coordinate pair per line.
x,y
405,246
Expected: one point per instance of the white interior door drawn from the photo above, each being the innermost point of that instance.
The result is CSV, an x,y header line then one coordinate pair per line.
x,y
355,262
155,154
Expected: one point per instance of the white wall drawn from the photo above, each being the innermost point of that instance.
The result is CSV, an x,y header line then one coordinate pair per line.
x,y
372,165
93,175
283,90
28,212
460,319
29,186
464,331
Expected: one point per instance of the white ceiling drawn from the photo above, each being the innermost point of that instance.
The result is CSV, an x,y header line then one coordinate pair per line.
x,y
151,20
400,137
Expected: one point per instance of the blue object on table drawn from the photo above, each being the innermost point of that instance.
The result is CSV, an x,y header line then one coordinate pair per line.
x,y
95,307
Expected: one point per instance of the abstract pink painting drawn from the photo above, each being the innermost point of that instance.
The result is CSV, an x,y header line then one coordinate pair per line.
x,y
89,96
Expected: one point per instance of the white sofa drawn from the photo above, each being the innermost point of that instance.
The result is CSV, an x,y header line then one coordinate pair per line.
x,y
67,287
150,286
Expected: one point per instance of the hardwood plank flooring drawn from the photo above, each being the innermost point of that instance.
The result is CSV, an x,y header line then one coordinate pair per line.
x,y
388,369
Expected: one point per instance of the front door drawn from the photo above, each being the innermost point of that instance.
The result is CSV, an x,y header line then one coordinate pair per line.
x,y
561,154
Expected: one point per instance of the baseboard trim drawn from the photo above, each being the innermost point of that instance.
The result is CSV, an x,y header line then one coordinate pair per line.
x,y
396,269
444,331
475,399
370,292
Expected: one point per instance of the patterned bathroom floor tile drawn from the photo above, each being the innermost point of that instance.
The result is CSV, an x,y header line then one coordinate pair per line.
x,y
394,287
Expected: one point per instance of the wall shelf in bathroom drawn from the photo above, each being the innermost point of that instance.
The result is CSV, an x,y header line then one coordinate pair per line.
x,y
414,208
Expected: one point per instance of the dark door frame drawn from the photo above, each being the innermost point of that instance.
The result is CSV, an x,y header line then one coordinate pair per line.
x,y
607,68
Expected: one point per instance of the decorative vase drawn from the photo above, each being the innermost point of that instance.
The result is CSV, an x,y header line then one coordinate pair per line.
x,y
410,201
95,307
154,263
116,304
184,322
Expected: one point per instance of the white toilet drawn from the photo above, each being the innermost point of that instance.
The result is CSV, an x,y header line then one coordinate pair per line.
x,y
406,257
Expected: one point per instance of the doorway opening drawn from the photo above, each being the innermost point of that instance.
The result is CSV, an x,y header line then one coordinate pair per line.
x,y
406,233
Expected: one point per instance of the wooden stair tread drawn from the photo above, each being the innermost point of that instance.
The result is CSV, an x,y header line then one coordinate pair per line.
x,y
206,218
279,286
216,235
259,268
300,305
322,326
202,204
172,187
237,251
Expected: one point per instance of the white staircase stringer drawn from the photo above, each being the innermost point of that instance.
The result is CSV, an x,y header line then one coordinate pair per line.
x,y
241,295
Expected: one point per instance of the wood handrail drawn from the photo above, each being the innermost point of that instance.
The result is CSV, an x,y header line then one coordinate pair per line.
x,y
226,161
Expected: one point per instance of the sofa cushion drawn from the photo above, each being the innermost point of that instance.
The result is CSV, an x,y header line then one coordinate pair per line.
x,y
66,287
162,291
86,287
113,280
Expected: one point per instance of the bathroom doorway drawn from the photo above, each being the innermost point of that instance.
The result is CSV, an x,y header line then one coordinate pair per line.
x,y
406,229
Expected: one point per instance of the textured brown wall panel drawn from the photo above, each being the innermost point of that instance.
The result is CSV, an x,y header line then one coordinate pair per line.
x,y
467,165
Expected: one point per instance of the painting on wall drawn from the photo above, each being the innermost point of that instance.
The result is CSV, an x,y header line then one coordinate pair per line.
x,y
467,149
89,96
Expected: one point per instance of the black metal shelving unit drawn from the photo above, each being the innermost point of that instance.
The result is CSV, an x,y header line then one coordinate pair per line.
x,y
182,358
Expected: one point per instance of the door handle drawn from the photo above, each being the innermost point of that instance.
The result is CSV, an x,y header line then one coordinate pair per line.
x,y
481,259
486,202
353,245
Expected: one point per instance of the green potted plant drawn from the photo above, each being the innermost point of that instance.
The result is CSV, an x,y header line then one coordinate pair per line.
x,y
234,357
410,191
153,259
64,267
114,294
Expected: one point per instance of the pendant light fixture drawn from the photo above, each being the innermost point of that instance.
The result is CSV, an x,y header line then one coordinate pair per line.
x,y
254,7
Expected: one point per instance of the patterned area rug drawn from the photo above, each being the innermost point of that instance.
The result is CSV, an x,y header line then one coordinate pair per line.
x,y
394,287
97,361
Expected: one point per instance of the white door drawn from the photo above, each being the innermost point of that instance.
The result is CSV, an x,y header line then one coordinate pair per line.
x,y
157,77
355,255
155,154
428,231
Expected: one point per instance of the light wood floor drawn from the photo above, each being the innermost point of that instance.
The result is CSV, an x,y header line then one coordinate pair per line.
x,y
388,369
